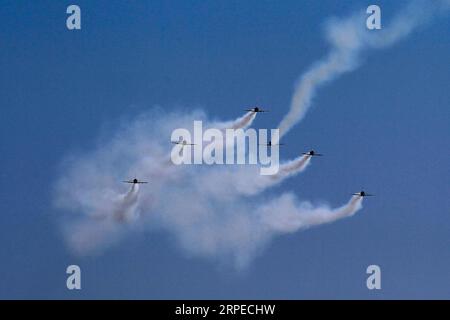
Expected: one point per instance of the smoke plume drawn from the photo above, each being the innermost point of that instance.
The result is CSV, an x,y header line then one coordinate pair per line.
x,y
218,212
349,39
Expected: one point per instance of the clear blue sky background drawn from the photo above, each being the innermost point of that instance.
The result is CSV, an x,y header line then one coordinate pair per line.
x,y
384,127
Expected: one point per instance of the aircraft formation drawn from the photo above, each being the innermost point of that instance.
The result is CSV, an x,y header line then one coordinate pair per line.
x,y
310,153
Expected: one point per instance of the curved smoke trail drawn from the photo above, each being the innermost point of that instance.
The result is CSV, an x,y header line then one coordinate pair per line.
x,y
251,182
207,208
243,122
293,167
294,216
214,211
126,208
349,38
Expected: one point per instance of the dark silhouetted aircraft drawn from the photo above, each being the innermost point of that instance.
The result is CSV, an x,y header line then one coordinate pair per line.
x,y
256,110
183,143
270,144
135,181
312,153
363,194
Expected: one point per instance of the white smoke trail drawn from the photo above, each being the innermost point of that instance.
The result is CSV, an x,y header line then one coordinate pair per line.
x,y
292,216
207,208
349,38
242,123
251,183
126,207
293,167
101,226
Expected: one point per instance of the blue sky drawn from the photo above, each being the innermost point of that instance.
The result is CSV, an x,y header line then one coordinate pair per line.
x,y
384,127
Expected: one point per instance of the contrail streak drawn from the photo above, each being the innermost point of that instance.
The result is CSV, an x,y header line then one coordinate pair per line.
x,y
214,211
241,123
293,167
245,121
218,212
126,207
101,228
252,182
284,214
349,38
